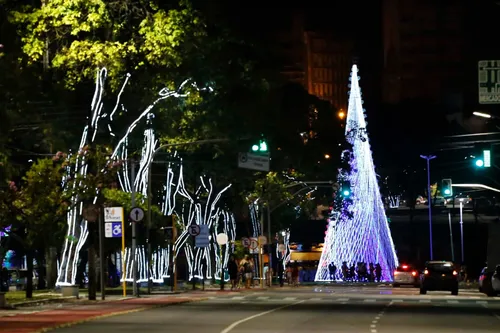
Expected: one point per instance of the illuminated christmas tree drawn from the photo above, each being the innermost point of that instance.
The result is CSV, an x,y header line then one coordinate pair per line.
x,y
358,230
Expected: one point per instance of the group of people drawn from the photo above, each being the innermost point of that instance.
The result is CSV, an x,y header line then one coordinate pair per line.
x,y
242,273
360,272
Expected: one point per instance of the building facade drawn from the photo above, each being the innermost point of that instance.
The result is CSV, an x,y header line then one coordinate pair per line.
x,y
423,48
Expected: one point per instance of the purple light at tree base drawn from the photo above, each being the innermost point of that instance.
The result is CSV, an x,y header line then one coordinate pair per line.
x,y
359,232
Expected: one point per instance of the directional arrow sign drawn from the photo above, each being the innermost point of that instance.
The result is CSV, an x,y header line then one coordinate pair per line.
x,y
136,214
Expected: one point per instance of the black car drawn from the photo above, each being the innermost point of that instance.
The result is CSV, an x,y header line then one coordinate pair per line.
x,y
439,275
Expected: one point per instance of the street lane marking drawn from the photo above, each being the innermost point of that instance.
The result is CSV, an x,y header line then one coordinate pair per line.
x,y
452,302
397,301
241,321
263,297
238,297
481,302
369,300
424,301
290,298
343,299
315,299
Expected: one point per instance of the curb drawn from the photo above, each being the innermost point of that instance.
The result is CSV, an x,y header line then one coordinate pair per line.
x,y
118,313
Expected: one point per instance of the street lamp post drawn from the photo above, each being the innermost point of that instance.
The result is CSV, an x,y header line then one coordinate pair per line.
x,y
462,230
149,216
429,158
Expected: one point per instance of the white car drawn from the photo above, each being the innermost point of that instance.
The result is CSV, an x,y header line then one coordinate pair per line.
x,y
405,275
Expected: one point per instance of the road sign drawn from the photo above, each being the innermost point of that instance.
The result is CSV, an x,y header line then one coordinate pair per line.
x,y
222,239
194,230
258,162
262,240
113,214
254,245
245,242
113,229
203,238
489,81
136,214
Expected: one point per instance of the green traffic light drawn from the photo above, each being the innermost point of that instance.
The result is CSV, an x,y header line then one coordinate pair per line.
x,y
255,148
346,193
479,163
263,146
447,191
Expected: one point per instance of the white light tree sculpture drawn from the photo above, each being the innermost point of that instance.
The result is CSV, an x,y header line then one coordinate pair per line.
x,y
194,212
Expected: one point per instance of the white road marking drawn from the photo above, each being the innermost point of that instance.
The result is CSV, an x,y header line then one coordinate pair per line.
x,y
315,299
343,299
424,301
290,298
238,297
481,302
263,297
236,323
369,300
452,302
397,301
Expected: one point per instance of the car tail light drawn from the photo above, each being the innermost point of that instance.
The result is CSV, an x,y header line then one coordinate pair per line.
x,y
455,273
405,266
414,273
426,272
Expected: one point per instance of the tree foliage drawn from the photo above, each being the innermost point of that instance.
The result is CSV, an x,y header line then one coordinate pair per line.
x,y
78,36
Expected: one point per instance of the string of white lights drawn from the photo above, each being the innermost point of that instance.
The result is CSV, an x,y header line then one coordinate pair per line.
x,y
361,233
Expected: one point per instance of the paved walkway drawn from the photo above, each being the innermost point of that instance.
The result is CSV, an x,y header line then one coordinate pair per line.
x,y
45,320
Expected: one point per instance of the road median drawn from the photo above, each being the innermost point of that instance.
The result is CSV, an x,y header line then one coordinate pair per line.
x,y
48,320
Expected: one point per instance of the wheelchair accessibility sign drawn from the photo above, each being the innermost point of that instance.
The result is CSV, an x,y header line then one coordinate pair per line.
x,y
113,229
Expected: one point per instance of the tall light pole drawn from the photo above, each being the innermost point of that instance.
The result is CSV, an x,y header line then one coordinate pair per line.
x,y
429,158
462,229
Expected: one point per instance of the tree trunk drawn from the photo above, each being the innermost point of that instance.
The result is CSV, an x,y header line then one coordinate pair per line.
x,y
51,271
42,270
29,274
91,273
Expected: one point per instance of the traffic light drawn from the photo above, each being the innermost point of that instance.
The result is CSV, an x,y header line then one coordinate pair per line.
x,y
261,147
346,190
484,161
446,187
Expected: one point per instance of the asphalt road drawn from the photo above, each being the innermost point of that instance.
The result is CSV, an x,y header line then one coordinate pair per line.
x,y
309,310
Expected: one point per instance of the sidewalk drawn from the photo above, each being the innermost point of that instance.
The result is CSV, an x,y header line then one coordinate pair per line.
x,y
47,320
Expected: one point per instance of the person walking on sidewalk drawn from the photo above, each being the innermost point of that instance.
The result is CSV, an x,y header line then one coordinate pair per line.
x,y
232,268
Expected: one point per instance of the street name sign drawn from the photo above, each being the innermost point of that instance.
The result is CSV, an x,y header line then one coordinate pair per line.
x,y
203,238
489,81
113,214
258,162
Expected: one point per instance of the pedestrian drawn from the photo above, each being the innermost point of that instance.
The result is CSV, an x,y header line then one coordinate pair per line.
x,y
295,276
332,269
232,268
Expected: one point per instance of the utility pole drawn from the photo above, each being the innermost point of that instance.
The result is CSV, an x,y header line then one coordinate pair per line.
x,y
270,244
100,225
429,158
462,231
134,239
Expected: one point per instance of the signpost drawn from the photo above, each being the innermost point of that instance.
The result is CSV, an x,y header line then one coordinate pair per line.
x,y
203,238
136,214
258,162
113,230
489,81
254,245
245,242
194,230
113,216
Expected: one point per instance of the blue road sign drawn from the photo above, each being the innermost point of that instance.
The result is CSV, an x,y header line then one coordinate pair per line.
x,y
113,229
202,240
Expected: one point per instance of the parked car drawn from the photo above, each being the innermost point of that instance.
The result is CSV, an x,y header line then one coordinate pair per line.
x,y
405,275
495,280
486,283
439,275
439,201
